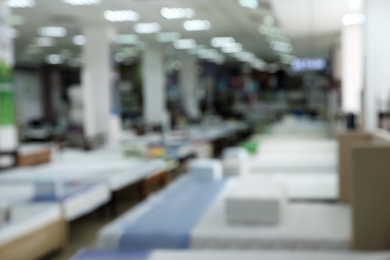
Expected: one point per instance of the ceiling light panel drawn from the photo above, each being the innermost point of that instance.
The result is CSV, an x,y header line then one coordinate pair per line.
x,y
251,4
218,42
197,25
79,40
184,44
82,2
177,13
232,48
54,59
52,31
147,28
121,16
21,3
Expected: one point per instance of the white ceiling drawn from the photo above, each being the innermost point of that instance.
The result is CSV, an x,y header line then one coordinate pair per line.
x,y
312,25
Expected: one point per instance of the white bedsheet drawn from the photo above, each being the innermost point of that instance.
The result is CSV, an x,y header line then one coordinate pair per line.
x,y
293,163
258,255
27,218
85,202
305,227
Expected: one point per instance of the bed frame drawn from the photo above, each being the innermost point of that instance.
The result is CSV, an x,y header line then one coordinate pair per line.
x,y
38,244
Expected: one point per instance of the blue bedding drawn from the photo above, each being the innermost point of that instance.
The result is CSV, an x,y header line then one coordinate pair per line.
x,y
110,255
168,224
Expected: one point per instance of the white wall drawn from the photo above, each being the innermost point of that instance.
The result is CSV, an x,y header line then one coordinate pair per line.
x,y
28,95
188,83
377,59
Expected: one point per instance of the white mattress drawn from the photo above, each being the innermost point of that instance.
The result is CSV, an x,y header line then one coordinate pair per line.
x,y
305,227
115,174
291,146
303,186
258,255
85,202
274,163
33,148
27,218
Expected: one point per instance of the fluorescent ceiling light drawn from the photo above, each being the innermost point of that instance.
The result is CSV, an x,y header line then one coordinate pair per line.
x,y
281,46
52,31
167,36
184,44
218,42
54,59
121,16
127,39
287,59
79,40
197,25
82,2
21,3
177,13
271,31
353,19
45,42
232,48
147,28
252,4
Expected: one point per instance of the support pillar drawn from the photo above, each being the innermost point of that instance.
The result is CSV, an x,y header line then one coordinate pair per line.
x,y
352,68
188,83
99,85
377,87
153,86
8,130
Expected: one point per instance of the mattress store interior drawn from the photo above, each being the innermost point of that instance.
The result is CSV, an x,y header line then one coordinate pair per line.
x,y
194,130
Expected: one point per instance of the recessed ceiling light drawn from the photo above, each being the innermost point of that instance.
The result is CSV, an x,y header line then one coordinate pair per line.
x,y
252,4
147,28
232,48
121,16
54,59
52,31
79,40
177,13
281,47
197,25
218,42
82,2
126,39
167,36
184,44
21,3
45,41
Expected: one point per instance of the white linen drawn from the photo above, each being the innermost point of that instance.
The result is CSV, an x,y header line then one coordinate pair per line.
x,y
263,255
305,227
85,202
27,218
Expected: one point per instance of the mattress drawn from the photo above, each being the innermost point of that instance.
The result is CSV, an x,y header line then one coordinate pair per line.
x,y
305,227
293,163
27,218
227,255
115,174
164,220
306,186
